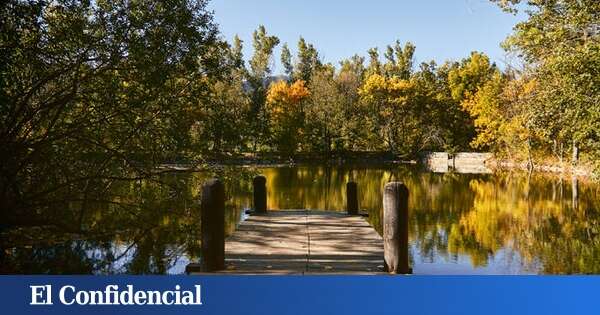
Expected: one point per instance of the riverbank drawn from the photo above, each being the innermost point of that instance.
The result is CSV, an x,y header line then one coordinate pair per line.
x,y
467,162
274,159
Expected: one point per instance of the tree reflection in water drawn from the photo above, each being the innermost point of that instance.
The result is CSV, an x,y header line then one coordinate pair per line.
x,y
500,223
140,227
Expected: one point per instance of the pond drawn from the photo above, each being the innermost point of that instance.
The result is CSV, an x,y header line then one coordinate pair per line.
x,y
501,223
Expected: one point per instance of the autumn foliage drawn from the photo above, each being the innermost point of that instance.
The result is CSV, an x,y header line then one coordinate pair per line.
x,y
284,104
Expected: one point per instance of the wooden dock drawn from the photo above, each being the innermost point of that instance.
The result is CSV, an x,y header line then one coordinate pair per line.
x,y
304,242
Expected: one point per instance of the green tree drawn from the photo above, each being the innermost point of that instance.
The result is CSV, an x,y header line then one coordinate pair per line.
x,y
93,94
258,76
399,61
349,79
286,61
222,126
236,56
374,66
560,42
308,61
449,127
324,112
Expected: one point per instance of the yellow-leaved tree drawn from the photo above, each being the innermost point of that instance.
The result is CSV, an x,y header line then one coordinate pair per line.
x,y
390,101
502,116
286,114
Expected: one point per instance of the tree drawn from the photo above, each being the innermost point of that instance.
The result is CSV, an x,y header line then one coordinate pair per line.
x,y
308,61
449,127
263,50
374,66
93,94
391,102
257,79
399,61
560,41
349,79
286,61
222,126
324,112
236,56
468,76
404,59
487,108
285,104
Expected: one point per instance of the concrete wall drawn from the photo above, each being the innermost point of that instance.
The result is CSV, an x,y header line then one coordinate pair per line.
x,y
437,161
463,162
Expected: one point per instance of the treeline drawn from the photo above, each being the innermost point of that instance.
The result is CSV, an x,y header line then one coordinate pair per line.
x,y
542,109
385,103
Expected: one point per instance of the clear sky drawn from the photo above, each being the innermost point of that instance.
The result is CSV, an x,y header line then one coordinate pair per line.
x,y
441,29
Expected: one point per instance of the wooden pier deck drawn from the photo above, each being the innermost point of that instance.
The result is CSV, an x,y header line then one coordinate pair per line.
x,y
304,242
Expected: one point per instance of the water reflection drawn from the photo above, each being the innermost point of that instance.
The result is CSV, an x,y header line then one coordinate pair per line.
x,y
500,223
147,227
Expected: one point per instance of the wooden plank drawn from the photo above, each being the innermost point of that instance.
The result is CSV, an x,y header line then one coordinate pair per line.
x,y
343,244
302,241
275,242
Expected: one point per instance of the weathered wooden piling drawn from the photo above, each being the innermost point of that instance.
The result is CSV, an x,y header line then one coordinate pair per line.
x,y
213,225
395,228
352,198
260,194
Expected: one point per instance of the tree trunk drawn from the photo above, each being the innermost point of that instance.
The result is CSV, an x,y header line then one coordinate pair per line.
x,y
575,157
561,153
529,157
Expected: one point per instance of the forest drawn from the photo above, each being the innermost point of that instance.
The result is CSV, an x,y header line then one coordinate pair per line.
x,y
98,92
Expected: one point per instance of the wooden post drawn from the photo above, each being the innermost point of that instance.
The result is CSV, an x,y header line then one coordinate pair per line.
x,y
260,194
212,217
352,198
395,228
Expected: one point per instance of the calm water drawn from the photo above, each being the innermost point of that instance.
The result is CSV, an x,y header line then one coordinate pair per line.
x,y
504,223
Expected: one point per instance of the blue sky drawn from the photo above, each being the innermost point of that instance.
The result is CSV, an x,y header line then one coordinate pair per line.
x,y
441,29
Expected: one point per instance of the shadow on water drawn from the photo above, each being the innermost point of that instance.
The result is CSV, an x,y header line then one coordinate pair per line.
x,y
501,223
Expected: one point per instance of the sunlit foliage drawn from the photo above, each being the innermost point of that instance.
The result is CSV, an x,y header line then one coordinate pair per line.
x,y
286,114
